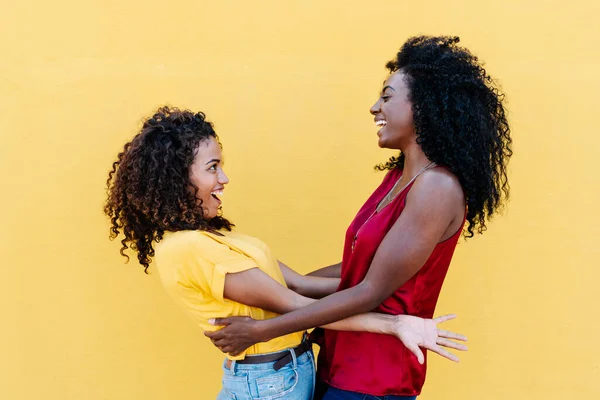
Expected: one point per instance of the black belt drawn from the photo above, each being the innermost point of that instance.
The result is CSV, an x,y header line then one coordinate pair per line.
x,y
281,358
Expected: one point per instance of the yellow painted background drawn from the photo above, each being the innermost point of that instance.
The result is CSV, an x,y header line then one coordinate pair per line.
x,y
288,85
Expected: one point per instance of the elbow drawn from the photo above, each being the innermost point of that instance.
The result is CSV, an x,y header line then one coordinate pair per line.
x,y
297,287
294,283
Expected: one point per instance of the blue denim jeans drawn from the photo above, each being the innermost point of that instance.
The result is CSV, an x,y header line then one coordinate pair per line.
x,y
295,381
339,394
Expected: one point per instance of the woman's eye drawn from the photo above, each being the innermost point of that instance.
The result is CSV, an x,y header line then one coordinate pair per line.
x,y
213,167
385,98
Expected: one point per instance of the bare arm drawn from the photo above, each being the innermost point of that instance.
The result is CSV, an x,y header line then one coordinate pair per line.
x,y
255,288
314,287
332,271
431,207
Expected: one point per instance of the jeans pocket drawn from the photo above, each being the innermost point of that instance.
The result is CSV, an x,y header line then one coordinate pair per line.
x,y
277,385
234,388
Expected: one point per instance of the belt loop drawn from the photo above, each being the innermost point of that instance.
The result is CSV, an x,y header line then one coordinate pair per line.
x,y
294,361
232,367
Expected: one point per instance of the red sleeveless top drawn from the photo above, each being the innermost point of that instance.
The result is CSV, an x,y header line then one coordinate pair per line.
x,y
371,363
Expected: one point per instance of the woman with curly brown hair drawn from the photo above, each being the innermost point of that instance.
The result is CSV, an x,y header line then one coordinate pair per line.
x,y
163,197
443,112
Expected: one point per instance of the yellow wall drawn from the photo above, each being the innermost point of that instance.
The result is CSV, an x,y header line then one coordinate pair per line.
x,y
288,85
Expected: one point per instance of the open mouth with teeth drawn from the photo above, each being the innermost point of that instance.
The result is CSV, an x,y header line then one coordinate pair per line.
x,y
380,124
217,193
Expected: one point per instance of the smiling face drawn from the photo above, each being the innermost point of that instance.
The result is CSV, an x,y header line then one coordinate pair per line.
x,y
393,113
207,174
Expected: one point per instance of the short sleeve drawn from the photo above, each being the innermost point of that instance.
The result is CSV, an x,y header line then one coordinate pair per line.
x,y
235,263
210,261
192,267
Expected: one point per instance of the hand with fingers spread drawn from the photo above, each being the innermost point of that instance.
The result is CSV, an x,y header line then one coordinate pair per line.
x,y
415,332
239,333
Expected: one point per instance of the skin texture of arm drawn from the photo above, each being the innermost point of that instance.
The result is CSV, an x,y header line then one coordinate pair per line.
x,y
332,271
431,208
315,287
255,288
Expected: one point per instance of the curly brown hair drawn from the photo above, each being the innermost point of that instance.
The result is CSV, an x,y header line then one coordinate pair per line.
x,y
149,189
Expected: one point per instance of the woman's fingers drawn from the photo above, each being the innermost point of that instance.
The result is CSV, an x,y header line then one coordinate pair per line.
x,y
416,351
230,350
443,352
219,321
451,335
234,353
450,344
448,334
219,343
444,318
215,335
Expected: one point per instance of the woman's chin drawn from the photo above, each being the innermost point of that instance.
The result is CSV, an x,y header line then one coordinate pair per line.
x,y
212,214
386,143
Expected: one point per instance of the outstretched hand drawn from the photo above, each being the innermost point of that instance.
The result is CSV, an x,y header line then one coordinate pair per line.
x,y
239,333
415,332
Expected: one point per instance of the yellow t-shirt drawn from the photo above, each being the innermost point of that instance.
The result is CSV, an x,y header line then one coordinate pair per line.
x,y
192,267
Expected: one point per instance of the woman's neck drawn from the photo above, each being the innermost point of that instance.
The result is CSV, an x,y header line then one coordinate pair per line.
x,y
414,160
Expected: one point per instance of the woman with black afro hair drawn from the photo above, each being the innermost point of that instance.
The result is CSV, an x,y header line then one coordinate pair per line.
x,y
441,109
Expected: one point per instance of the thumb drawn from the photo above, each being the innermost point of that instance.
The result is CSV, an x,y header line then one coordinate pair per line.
x,y
416,350
219,321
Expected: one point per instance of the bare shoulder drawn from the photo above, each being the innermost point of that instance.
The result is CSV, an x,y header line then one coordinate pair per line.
x,y
437,185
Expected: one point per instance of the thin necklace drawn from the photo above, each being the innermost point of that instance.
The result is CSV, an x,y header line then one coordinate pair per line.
x,y
389,197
